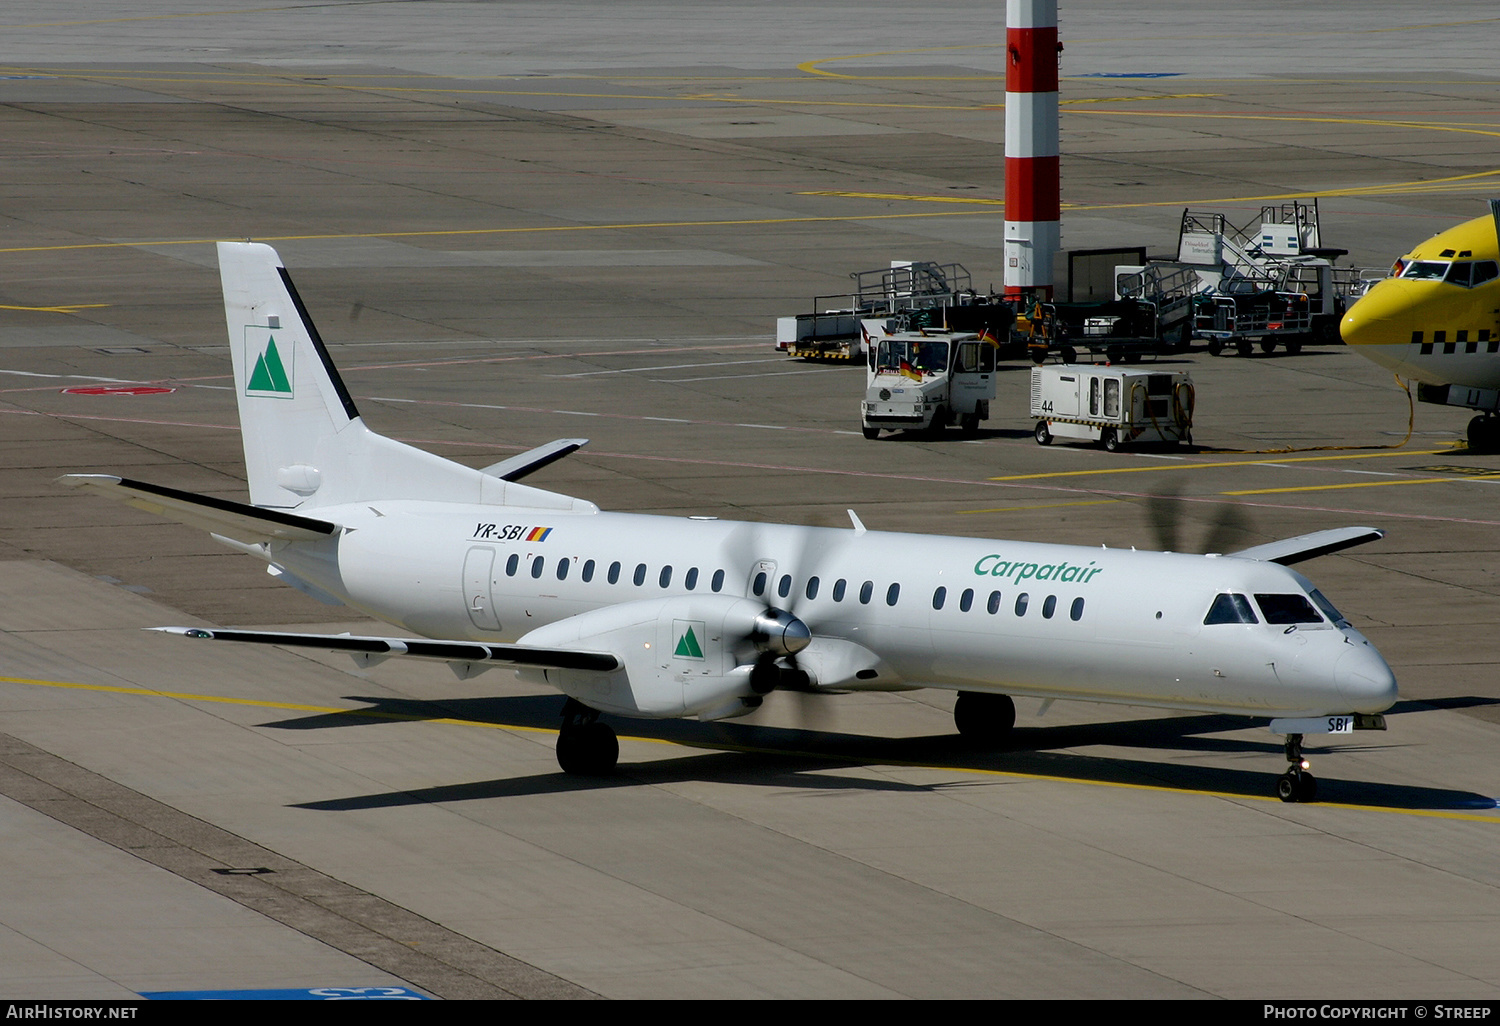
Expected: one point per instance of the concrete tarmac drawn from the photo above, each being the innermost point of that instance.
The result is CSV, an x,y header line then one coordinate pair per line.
x,y
515,223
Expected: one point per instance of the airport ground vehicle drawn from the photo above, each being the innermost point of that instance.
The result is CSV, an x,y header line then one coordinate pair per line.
x,y
926,381
1121,331
1243,320
1110,405
910,295
1266,284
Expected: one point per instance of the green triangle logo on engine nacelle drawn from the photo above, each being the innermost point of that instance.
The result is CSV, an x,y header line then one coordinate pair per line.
x,y
269,376
688,645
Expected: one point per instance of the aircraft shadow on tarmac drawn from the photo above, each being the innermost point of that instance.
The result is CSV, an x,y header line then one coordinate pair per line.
x,y
792,757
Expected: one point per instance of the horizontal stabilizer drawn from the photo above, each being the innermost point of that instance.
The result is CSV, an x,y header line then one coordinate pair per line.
x,y
244,523
420,648
532,460
1306,546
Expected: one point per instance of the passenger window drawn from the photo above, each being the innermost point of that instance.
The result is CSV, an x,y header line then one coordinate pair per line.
x,y
1230,609
939,597
866,590
640,574
588,571
665,580
892,594
966,600
691,580
784,588
536,566
1279,609
812,588
717,584
760,583
1021,601
994,603
562,568
839,586
614,572
1076,613
1049,606
512,565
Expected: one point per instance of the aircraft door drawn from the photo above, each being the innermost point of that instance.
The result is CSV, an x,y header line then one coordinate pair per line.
x,y
479,567
761,585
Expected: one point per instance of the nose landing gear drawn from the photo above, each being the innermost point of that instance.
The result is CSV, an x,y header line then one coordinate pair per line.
x,y
1296,784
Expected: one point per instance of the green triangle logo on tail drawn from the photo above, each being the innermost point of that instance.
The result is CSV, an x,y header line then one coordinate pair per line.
x,y
269,375
687,644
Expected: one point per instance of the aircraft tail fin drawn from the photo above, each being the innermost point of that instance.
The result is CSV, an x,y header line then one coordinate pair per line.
x,y
293,405
305,443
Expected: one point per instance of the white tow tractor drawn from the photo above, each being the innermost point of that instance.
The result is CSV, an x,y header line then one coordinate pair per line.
x,y
1111,406
925,381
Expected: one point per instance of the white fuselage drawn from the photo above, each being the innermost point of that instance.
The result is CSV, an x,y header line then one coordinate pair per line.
x,y
1012,617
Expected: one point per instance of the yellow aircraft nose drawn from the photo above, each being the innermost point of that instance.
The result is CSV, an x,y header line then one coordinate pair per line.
x,y
1383,316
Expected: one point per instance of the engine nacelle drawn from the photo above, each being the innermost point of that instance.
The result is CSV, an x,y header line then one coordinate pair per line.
x,y
681,656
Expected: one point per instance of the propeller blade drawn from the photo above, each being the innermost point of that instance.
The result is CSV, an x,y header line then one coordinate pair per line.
x,y
1164,512
1229,528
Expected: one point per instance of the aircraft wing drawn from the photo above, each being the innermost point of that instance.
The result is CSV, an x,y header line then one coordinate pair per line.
x,y
237,520
421,648
1306,546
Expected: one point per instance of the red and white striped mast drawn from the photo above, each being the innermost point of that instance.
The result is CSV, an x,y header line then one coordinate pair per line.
x,y
1033,208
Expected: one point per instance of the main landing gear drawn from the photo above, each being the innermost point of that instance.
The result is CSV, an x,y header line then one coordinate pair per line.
x,y
1296,784
585,747
1484,433
984,718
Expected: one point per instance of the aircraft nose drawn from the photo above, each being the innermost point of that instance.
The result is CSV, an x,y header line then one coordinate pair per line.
x,y
1365,680
1383,317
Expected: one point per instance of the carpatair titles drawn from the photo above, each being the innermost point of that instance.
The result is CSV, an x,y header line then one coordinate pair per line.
x,y
993,566
269,376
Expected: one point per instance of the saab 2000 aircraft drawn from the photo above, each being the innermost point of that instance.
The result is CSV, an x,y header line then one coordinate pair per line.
x,y
659,616
1436,319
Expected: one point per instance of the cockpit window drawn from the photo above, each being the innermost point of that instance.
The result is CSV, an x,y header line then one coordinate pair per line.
x,y
1432,270
1464,273
1321,601
1280,609
1230,609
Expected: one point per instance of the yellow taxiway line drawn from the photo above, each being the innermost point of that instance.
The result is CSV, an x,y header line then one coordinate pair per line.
x,y
1366,484
68,308
715,746
1227,463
